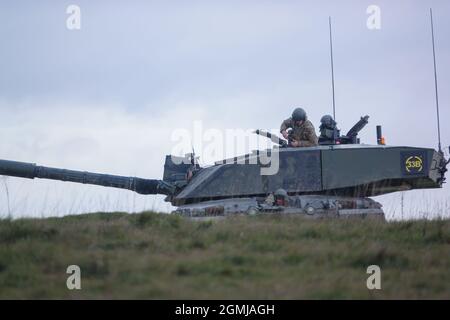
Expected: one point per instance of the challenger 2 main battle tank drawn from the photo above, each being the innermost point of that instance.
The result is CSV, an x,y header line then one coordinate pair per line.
x,y
334,179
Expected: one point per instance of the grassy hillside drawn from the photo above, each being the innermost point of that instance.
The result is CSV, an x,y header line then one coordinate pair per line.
x,y
152,255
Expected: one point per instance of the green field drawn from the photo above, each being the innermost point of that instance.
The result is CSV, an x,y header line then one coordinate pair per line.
x,y
158,256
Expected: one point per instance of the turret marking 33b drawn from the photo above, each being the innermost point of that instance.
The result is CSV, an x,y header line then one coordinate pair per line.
x,y
413,162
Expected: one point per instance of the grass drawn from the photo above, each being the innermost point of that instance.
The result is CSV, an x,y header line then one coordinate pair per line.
x,y
159,256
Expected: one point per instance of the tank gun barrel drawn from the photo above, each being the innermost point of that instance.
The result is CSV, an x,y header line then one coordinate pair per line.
x,y
31,171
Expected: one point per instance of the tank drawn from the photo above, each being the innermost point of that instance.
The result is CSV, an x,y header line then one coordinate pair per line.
x,y
334,179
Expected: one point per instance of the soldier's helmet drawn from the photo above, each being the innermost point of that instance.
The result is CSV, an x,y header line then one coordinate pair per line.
x,y
327,122
280,197
280,193
299,114
328,130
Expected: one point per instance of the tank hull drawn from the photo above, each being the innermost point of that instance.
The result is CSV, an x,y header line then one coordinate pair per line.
x,y
357,171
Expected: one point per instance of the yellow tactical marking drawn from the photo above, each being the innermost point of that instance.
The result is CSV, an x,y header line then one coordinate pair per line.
x,y
414,163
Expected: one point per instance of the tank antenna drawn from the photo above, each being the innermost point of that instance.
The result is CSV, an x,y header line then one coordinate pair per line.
x,y
435,83
332,69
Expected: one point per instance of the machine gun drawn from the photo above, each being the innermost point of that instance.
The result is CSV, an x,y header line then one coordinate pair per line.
x,y
275,139
351,137
352,134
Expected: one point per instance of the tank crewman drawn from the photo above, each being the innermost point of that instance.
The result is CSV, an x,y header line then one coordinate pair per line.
x,y
280,198
329,133
303,133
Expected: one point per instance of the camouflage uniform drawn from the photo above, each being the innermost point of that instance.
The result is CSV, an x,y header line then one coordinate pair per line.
x,y
305,133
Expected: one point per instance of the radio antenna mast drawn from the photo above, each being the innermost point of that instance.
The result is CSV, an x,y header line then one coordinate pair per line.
x,y
435,84
332,69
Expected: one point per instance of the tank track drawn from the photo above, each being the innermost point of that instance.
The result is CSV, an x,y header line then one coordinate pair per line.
x,y
309,206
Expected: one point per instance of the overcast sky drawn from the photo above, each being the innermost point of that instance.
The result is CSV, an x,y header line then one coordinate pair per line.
x,y
109,96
